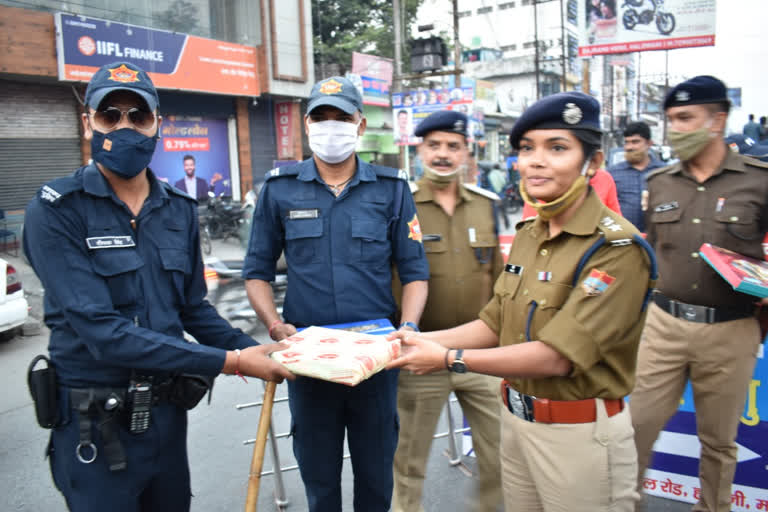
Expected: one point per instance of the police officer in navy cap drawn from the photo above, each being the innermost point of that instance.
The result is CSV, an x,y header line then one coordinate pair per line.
x,y
698,327
118,253
739,143
562,327
342,224
460,238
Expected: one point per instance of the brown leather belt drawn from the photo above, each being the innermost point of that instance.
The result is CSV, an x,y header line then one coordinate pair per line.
x,y
543,410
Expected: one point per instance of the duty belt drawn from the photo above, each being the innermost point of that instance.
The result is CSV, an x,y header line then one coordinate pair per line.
x,y
543,410
700,314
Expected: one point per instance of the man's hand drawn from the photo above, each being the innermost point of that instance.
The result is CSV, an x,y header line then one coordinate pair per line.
x,y
255,362
419,355
282,331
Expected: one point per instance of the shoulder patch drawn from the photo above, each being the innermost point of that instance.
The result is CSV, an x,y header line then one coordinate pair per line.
x,y
413,186
754,162
481,191
389,172
54,190
662,170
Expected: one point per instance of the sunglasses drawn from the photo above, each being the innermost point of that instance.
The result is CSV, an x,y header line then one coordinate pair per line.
x,y
111,116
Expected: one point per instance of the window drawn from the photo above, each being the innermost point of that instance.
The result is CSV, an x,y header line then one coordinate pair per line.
x,y
464,14
506,5
509,48
573,53
485,10
527,2
573,12
529,44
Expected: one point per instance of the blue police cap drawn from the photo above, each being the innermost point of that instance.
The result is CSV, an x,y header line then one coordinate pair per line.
x,y
443,121
338,92
739,143
696,91
567,110
121,76
759,151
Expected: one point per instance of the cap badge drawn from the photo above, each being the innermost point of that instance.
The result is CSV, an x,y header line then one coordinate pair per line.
x,y
331,87
682,96
123,74
458,126
572,113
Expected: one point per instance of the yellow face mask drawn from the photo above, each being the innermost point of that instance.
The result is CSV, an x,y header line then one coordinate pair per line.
x,y
554,208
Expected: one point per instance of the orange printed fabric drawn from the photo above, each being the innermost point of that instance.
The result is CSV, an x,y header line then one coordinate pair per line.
x,y
337,356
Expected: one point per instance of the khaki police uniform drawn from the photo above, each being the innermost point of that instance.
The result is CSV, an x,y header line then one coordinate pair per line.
x,y
591,310
464,261
700,328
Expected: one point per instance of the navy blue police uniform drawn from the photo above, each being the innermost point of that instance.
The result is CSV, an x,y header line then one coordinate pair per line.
x,y
339,252
120,290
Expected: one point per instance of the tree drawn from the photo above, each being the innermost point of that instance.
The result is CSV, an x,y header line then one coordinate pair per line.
x,y
180,16
341,27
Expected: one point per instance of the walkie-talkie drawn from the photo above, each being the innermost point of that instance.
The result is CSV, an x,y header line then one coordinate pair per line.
x,y
140,396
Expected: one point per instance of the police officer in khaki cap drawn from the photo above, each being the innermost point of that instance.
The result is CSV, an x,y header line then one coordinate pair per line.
x,y
562,327
461,241
699,328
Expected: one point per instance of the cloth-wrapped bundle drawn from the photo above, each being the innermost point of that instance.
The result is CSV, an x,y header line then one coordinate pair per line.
x,y
335,355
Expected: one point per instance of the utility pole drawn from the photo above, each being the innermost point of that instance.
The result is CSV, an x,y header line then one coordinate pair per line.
x,y
666,90
398,54
536,44
562,46
637,77
456,45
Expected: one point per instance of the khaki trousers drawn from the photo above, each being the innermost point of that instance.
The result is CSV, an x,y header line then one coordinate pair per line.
x,y
719,360
583,467
420,400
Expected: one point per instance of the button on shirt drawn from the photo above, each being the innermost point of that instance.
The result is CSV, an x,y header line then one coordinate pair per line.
x,y
630,183
338,250
727,210
535,299
119,298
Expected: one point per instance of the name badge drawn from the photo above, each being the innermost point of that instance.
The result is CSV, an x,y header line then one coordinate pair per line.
x,y
472,235
431,238
513,269
311,213
110,242
665,207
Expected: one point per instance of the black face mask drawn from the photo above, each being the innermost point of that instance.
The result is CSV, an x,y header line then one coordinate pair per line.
x,y
125,152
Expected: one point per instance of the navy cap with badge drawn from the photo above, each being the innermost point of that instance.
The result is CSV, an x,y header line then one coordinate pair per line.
x,y
443,121
696,91
121,76
338,92
566,110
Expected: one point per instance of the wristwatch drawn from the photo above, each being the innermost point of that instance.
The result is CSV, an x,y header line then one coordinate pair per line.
x,y
458,365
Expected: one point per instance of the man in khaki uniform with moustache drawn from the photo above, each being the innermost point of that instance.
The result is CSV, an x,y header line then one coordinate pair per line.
x,y
461,242
699,328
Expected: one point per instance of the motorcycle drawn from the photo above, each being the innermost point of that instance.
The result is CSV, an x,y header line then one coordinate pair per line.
x,y
511,200
665,21
224,218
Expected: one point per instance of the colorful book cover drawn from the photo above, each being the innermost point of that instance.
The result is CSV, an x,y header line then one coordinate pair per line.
x,y
745,274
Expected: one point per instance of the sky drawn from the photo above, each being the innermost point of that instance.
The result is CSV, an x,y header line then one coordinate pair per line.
x,y
739,57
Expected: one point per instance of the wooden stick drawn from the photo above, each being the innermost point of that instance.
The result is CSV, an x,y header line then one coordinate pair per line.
x,y
257,461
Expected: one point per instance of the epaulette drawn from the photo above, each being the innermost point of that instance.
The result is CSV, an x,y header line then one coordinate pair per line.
x,y
616,229
478,190
754,162
277,172
389,172
54,190
173,190
413,186
662,170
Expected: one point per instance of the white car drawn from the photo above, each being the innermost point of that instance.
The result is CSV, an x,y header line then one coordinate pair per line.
x,y
13,306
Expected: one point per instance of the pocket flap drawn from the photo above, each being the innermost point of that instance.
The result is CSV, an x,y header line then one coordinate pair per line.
x,y
303,228
733,216
369,229
174,259
666,216
112,262
550,295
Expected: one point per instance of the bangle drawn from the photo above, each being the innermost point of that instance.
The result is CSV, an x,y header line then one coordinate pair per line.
x,y
237,366
411,325
447,351
273,325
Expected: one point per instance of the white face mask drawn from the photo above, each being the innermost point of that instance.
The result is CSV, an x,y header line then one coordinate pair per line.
x,y
333,141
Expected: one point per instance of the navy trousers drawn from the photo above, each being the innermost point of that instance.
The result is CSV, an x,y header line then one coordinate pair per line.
x,y
321,412
156,478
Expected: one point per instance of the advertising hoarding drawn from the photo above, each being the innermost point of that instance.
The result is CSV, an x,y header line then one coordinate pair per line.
x,y
172,60
622,26
409,108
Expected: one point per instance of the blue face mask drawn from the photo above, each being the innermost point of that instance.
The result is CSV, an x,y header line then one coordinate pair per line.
x,y
125,152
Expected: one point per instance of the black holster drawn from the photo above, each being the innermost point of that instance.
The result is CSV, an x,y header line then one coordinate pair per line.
x,y
44,390
189,389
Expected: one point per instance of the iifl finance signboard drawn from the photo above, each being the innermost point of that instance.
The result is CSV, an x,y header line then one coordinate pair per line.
x,y
645,25
172,60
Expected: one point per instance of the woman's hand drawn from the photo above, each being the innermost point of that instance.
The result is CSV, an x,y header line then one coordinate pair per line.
x,y
418,355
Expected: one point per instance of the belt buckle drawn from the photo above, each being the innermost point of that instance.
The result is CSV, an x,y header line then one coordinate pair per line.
x,y
519,404
692,312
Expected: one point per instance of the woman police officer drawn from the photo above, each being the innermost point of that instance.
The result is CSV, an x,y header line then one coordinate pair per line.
x,y
563,326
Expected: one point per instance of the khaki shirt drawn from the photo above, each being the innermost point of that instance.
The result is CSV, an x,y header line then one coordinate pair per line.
x,y
598,332
725,210
463,253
